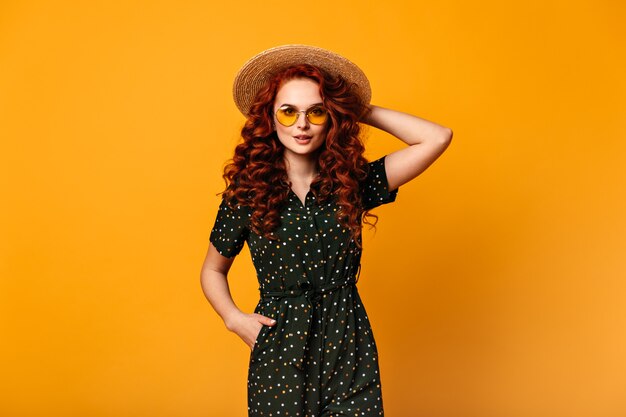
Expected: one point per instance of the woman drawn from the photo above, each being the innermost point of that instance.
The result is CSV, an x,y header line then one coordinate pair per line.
x,y
298,190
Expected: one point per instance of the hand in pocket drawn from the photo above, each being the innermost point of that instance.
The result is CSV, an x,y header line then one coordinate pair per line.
x,y
249,326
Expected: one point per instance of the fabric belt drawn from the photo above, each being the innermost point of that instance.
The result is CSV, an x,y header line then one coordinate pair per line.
x,y
297,335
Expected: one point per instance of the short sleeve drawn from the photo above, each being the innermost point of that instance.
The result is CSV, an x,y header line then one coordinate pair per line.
x,y
375,187
230,230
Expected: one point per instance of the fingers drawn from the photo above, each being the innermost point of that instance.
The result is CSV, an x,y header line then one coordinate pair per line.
x,y
259,318
268,321
265,321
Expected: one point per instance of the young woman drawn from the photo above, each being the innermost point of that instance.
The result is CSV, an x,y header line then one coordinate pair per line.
x,y
298,190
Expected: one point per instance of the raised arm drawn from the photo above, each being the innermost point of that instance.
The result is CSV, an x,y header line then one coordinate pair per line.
x,y
427,141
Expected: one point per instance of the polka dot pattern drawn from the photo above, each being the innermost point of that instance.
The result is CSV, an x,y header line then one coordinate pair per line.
x,y
320,358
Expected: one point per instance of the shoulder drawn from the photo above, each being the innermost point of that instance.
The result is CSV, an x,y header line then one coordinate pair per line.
x,y
234,207
231,228
375,188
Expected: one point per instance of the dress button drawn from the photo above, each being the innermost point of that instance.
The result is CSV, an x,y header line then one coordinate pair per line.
x,y
316,238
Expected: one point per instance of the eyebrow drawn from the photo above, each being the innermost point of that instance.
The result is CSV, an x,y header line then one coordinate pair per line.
x,y
291,105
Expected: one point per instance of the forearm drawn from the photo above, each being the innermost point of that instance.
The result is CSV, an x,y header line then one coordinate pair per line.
x,y
427,141
410,129
216,290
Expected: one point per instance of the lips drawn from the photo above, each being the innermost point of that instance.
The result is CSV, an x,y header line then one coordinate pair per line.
x,y
303,139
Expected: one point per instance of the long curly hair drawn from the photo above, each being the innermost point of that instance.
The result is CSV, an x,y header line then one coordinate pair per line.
x,y
257,175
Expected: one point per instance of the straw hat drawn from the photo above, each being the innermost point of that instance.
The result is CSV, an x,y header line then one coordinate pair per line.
x,y
261,67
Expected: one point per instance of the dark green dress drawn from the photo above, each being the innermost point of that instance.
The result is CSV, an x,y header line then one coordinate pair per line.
x,y
320,358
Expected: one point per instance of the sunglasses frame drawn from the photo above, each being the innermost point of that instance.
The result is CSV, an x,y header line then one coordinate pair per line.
x,y
306,114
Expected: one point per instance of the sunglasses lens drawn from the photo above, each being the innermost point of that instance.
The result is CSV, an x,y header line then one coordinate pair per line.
x,y
286,116
317,115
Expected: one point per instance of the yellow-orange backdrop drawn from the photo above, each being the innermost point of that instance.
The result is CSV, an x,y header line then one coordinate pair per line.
x,y
494,283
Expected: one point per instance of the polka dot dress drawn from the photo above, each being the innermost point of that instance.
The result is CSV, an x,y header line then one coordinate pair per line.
x,y
320,358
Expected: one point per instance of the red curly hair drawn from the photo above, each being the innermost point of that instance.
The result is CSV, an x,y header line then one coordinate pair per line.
x,y
257,175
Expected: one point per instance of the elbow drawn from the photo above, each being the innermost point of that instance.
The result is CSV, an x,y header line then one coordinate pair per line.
x,y
445,138
204,278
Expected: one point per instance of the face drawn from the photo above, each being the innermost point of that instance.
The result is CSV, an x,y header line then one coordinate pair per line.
x,y
303,137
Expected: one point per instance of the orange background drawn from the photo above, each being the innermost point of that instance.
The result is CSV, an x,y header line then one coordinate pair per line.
x,y
494,284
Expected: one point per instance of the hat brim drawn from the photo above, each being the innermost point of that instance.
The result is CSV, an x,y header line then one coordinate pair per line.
x,y
260,68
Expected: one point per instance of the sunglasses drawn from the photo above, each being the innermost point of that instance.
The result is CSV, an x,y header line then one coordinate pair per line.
x,y
288,115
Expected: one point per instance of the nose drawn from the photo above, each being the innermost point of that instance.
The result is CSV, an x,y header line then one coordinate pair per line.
x,y
302,122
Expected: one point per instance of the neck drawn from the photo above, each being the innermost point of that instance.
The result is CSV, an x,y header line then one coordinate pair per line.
x,y
301,167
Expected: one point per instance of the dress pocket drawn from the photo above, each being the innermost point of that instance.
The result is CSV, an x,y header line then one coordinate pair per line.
x,y
265,337
261,340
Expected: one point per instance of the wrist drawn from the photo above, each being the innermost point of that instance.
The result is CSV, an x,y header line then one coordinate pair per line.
x,y
366,115
231,318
